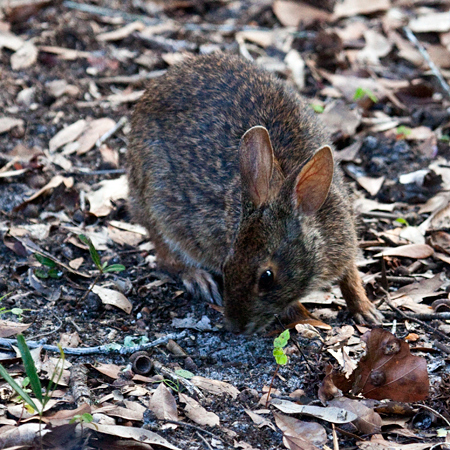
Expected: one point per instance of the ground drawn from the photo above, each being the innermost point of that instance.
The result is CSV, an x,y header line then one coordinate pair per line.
x,y
71,72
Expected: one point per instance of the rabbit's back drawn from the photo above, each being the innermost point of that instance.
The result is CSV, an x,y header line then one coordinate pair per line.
x,y
183,154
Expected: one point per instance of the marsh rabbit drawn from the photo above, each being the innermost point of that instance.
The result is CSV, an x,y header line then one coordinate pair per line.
x,y
233,176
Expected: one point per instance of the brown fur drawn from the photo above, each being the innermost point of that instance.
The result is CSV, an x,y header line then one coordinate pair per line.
x,y
210,208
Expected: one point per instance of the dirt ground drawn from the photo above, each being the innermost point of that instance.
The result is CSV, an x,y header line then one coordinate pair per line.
x,y
70,72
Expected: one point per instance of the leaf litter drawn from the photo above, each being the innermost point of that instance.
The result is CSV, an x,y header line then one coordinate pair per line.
x,y
72,72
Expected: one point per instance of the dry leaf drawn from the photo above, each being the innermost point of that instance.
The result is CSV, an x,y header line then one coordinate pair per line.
x,y
8,328
66,135
8,123
53,183
368,421
415,251
435,22
114,298
121,33
138,434
388,370
339,117
100,200
371,185
214,386
347,8
312,433
197,413
93,131
259,420
163,405
291,13
25,57
331,414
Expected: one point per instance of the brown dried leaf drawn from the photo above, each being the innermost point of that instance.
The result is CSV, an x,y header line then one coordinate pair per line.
x,y
347,8
331,414
311,433
368,421
440,240
197,413
138,434
215,386
25,57
259,420
416,251
93,131
100,200
7,123
112,297
67,134
163,403
291,13
8,328
388,370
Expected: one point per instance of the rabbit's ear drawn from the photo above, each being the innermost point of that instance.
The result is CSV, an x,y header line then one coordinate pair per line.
x,y
314,180
256,165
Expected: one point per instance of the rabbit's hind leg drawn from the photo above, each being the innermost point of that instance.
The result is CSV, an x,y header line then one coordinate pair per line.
x,y
197,281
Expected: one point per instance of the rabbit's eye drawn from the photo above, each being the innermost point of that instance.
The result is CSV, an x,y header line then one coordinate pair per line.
x,y
266,280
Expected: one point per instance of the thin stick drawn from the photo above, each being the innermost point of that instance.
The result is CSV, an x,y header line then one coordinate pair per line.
x,y
101,349
436,72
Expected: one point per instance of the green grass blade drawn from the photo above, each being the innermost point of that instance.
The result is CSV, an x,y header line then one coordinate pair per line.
x,y
114,268
30,368
17,388
92,250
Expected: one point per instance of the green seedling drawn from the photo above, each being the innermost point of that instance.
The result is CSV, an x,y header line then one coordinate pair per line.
x,y
16,311
50,268
445,138
103,268
82,418
363,92
133,341
37,404
280,356
402,131
402,221
317,108
184,374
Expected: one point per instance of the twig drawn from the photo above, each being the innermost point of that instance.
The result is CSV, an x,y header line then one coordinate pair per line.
x,y
412,318
100,11
122,121
195,427
204,440
436,72
93,172
101,349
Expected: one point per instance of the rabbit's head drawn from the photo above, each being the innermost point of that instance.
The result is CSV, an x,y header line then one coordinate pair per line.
x,y
276,255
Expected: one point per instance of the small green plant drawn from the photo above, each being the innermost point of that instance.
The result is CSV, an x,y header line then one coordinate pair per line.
x,y
402,221
280,355
82,418
445,138
16,311
363,92
402,132
278,347
317,108
32,380
133,341
50,269
103,268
